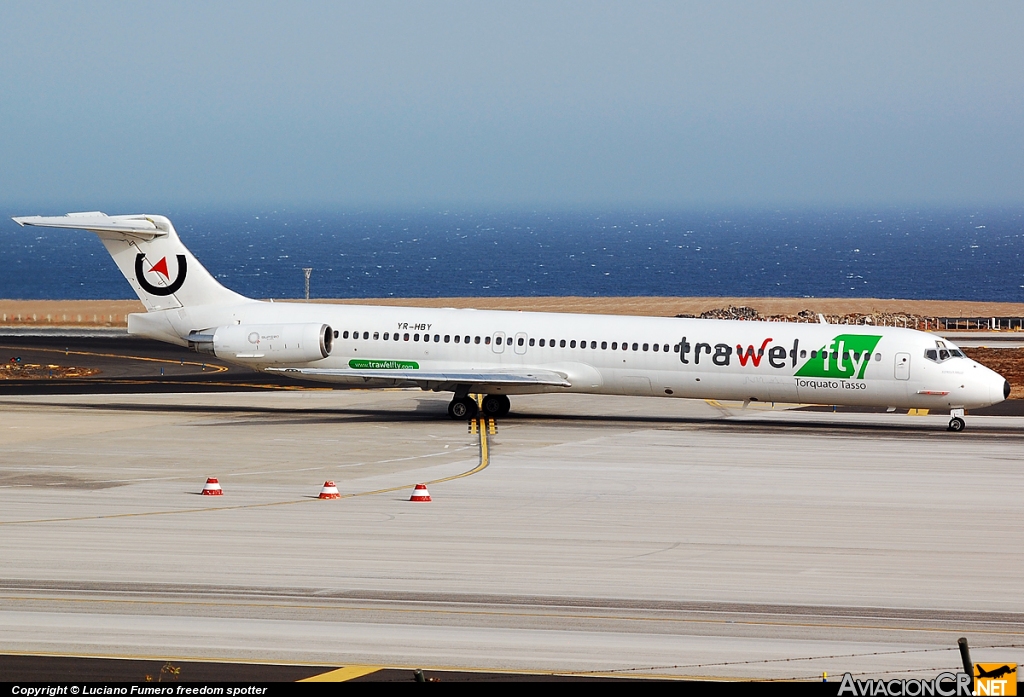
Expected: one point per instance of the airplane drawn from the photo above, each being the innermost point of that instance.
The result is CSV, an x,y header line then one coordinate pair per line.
x,y
506,353
995,672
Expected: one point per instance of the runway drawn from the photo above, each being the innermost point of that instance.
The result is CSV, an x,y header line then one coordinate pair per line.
x,y
605,536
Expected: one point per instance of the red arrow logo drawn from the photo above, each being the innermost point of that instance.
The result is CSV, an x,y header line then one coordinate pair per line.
x,y
161,268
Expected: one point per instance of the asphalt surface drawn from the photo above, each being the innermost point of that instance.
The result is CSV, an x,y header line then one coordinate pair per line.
x,y
599,537
130,365
50,669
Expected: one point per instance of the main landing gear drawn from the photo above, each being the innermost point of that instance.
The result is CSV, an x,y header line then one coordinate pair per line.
x,y
463,408
494,406
956,420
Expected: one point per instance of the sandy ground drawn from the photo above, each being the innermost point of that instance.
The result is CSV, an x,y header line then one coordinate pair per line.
x,y
114,312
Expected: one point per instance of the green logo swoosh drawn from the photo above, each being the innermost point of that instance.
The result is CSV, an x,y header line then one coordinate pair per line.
x,y
830,363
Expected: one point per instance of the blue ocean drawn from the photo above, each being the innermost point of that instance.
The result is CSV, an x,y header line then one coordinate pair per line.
x,y
889,253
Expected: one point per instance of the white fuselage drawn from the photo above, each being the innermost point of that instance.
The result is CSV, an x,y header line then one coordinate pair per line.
x,y
501,353
623,355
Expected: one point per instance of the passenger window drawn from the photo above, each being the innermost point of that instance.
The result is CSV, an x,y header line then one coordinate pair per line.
x,y
457,338
497,340
604,345
878,356
345,335
447,338
593,344
366,335
835,355
520,342
531,342
541,342
415,337
437,337
572,344
476,340
336,334
814,354
426,337
615,346
634,347
856,356
487,340
655,347
386,335
846,355
561,343
803,354
376,335
645,347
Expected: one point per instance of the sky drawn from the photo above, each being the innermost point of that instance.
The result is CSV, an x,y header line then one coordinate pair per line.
x,y
510,105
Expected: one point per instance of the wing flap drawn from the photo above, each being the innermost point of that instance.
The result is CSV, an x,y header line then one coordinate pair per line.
x,y
526,377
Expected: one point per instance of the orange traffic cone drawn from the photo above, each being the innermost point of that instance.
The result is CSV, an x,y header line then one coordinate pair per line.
x,y
420,493
212,487
329,491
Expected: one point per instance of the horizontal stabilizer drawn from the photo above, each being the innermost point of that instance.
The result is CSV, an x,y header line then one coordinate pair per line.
x,y
531,377
136,226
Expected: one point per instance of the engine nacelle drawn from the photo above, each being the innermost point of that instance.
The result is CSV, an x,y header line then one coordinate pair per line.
x,y
265,344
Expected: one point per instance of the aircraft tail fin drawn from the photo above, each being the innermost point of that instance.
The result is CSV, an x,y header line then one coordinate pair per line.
x,y
148,252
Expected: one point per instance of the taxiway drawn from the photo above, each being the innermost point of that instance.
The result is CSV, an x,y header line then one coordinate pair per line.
x,y
602,535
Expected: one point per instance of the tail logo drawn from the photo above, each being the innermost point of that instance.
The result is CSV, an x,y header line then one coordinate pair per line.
x,y
160,268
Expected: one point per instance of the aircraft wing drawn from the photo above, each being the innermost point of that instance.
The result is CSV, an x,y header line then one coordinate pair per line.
x,y
139,226
423,378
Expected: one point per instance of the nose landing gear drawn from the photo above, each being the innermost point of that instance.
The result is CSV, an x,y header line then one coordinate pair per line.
x,y
956,420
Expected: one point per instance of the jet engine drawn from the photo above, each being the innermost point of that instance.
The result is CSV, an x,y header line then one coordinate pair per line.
x,y
265,344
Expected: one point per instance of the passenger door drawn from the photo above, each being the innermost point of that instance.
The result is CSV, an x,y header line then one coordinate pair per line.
x,y
902,366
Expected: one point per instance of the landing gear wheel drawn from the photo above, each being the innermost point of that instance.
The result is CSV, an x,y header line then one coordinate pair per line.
x,y
496,405
956,424
464,408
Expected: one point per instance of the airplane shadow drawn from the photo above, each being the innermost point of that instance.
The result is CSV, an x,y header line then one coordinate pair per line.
x,y
436,411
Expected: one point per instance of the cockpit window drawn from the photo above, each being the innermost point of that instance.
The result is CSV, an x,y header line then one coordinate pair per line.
x,y
942,353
